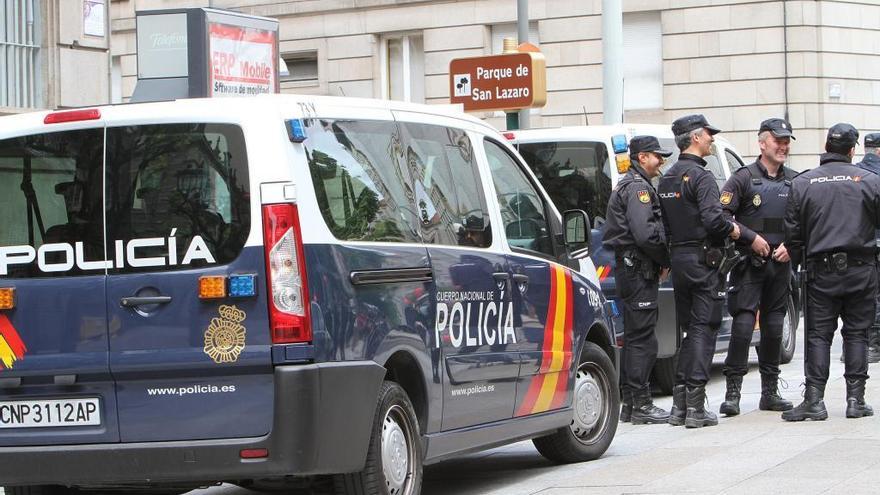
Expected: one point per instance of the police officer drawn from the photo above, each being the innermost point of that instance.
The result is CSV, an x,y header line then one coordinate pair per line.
x,y
695,227
831,217
634,231
871,163
756,196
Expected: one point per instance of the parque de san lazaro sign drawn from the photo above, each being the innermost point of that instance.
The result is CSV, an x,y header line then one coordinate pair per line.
x,y
498,82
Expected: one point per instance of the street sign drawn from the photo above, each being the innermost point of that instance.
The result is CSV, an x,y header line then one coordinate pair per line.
x,y
499,82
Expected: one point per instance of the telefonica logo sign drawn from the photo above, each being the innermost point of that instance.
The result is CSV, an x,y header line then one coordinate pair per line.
x,y
167,41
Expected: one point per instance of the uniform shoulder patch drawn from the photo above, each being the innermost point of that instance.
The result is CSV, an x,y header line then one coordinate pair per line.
x,y
726,197
644,197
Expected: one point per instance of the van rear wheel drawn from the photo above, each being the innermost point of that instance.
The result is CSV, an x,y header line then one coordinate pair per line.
x,y
394,456
595,406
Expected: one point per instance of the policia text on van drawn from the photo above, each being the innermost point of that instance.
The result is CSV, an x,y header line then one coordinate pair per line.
x,y
285,286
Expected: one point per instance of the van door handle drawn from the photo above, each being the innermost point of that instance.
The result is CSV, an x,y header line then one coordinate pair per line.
x,y
501,279
130,302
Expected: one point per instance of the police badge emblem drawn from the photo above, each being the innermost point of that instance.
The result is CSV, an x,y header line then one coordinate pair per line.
x,y
644,197
756,200
726,196
225,337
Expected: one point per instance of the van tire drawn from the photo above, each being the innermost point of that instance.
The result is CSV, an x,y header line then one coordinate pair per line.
x,y
664,373
789,336
597,401
395,425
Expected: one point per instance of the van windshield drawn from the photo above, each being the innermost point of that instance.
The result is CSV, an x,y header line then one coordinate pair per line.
x,y
576,175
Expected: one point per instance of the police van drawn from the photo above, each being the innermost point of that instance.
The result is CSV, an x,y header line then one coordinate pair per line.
x,y
264,289
580,165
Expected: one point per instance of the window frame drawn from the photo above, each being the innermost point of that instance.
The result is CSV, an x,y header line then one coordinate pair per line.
x,y
553,221
385,65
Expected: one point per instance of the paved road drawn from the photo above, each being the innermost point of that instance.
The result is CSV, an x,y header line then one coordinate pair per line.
x,y
754,453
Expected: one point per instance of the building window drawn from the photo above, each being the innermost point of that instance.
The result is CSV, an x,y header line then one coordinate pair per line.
x,y
19,53
301,67
403,74
501,31
643,52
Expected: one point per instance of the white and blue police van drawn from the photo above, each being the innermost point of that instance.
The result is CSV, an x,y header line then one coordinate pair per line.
x,y
278,288
578,166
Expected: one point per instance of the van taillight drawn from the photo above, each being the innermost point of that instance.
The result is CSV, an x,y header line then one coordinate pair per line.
x,y
72,116
286,275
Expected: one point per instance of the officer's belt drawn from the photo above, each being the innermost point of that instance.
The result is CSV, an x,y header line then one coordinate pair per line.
x,y
825,261
764,225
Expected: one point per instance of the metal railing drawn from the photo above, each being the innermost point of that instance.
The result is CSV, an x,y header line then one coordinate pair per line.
x,y
19,53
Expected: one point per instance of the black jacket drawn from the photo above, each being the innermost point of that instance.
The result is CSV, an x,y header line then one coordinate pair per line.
x,y
633,218
833,207
739,193
690,200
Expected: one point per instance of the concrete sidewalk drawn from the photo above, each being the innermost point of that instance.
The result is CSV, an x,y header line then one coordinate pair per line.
x,y
755,452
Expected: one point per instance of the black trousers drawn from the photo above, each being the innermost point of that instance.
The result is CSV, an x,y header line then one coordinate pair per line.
x,y
764,288
850,296
639,296
698,304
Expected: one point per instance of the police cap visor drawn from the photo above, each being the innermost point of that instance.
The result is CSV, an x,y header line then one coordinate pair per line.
x,y
693,122
778,127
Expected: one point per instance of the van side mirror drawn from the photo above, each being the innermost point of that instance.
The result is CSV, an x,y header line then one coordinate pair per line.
x,y
577,233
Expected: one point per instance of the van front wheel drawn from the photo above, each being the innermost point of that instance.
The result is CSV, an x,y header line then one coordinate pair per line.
x,y
394,456
595,405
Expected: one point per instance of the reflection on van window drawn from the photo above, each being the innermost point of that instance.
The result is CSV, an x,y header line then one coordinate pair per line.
x,y
363,191
449,200
189,181
576,175
51,185
522,210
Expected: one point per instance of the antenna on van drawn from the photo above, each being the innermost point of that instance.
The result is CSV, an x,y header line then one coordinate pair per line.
x,y
586,117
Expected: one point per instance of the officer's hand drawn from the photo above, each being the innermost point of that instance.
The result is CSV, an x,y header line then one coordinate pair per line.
x,y
664,274
781,254
734,234
760,246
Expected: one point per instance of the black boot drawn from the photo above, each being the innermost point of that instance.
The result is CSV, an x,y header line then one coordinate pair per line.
x,y
626,407
855,400
813,407
679,406
730,406
697,415
770,398
644,412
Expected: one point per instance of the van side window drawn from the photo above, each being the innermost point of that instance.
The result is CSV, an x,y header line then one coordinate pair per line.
x,y
52,190
522,210
449,198
713,164
188,182
734,162
363,189
576,175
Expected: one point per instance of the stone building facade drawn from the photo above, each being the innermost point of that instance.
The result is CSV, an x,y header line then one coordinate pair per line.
x,y
737,61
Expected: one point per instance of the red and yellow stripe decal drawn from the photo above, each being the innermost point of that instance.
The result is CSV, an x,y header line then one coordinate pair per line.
x,y
603,271
12,348
549,389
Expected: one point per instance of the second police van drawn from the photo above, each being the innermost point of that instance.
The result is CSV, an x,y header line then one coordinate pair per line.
x,y
579,166
271,288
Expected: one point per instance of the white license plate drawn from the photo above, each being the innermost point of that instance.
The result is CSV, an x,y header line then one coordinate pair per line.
x,y
51,412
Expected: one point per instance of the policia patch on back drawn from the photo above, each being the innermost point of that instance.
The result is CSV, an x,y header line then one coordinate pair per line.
x,y
726,196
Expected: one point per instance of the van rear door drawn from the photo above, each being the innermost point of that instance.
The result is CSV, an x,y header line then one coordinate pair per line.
x,y
55,382
191,360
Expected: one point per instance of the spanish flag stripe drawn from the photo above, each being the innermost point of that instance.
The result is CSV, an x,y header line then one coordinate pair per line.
x,y
8,332
535,386
562,386
7,356
531,396
548,389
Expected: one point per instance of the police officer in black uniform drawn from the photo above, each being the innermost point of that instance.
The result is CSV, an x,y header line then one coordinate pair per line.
x,y
871,163
831,218
756,196
696,227
634,231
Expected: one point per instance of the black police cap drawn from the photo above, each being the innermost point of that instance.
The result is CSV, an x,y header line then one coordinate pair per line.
x,y
872,140
689,123
646,144
843,135
777,127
